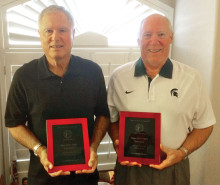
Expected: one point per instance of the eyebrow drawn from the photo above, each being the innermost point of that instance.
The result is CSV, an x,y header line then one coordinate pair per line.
x,y
62,27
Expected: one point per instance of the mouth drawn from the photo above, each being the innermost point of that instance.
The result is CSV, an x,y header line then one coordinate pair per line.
x,y
154,50
56,46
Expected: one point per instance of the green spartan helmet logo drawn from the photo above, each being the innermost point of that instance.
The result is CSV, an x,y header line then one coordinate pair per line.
x,y
174,92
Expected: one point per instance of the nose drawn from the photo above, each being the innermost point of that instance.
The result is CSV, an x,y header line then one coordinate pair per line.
x,y
154,39
56,35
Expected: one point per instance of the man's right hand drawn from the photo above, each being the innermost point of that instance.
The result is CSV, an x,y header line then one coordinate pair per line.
x,y
42,153
125,163
25,137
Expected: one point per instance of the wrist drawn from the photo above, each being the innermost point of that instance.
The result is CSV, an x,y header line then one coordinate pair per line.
x,y
38,149
35,148
93,148
42,148
184,151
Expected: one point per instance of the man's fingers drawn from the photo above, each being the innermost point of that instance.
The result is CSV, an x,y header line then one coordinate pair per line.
x,y
127,163
93,161
58,173
116,142
159,166
54,174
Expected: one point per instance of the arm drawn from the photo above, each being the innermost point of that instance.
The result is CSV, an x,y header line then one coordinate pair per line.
x,y
100,129
25,137
114,134
194,140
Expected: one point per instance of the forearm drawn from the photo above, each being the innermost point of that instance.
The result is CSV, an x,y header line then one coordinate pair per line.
x,y
114,131
24,136
194,140
197,138
100,129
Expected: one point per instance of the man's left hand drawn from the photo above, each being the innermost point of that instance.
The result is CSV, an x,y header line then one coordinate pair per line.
x,y
93,162
172,157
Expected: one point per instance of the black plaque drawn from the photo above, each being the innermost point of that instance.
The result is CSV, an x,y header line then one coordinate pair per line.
x,y
139,137
68,144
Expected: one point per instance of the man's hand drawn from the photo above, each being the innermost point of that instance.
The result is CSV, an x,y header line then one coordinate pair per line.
x,y
47,164
126,163
26,137
93,162
172,157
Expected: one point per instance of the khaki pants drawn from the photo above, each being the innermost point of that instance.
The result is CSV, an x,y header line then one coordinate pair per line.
x,y
177,174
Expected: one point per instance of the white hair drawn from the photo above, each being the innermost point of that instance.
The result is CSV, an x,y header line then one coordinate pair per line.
x,y
55,8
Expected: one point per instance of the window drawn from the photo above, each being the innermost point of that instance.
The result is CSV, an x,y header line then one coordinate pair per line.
x,y
117,20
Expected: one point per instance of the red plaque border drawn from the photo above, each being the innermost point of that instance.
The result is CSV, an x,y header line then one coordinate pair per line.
x,y
50,152
157,152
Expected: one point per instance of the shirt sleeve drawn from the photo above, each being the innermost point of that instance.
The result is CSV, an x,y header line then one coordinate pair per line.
x,y
16,107
204,115
102,107
114,113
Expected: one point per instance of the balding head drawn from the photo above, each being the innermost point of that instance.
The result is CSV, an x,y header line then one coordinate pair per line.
x,y
154,40
156,18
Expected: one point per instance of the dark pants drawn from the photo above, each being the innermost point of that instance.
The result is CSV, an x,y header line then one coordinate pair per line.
x,y
177,174
80,179
37,175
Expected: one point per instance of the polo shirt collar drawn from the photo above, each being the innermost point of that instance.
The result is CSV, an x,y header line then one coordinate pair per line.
x,y
44,71
166,71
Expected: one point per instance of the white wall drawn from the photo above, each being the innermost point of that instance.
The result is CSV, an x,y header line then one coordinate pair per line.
x,y
194,44
212,172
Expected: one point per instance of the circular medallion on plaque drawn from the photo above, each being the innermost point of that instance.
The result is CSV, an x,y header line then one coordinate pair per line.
x,y
67,134
139,127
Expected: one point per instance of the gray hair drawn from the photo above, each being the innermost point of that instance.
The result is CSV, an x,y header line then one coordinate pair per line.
x,y
53,9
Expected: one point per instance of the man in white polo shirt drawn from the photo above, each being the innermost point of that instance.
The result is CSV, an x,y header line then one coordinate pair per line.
x,y
155,83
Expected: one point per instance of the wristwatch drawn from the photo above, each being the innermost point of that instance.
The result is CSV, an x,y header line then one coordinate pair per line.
x,y
36,147
184,150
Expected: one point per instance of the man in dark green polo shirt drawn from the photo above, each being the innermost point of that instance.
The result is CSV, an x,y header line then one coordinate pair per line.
x,y
157,84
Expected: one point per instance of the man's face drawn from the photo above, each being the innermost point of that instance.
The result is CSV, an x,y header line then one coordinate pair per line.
x,y
56,36
154,40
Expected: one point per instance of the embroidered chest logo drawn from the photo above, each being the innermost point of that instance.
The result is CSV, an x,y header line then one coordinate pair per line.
x,y
174,92
128,92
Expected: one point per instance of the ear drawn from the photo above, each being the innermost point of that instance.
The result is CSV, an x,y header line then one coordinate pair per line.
x,y
138,41
39,34
171,38
73,33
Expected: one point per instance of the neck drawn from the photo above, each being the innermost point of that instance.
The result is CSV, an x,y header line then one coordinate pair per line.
x,y
58,67
153,70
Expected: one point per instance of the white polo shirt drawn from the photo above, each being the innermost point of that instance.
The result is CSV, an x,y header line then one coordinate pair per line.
x,y
177,92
